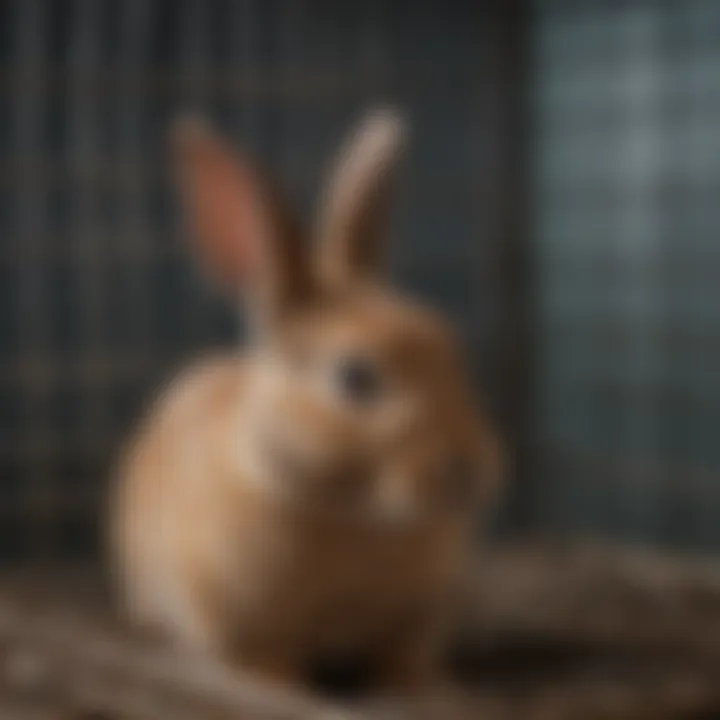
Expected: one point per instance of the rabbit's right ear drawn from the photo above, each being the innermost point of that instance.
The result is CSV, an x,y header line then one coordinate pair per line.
x,y
354,208
246,236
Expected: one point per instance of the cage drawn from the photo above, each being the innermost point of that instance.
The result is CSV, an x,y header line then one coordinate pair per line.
x,y
558,205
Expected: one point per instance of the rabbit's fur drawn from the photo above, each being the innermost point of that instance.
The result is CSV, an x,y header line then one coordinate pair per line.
x,y
316,493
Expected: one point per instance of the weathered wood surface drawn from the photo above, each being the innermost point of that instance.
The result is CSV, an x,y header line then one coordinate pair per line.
x,y
548,633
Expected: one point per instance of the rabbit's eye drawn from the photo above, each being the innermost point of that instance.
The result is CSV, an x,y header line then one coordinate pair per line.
x,y
358,379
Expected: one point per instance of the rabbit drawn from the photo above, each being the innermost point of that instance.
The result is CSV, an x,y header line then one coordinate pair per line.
x,y
316,493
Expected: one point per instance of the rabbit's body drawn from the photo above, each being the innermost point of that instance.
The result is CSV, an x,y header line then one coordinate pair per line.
x,y
269,515
233,566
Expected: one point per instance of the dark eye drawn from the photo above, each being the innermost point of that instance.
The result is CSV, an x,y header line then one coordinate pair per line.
x,y
358,379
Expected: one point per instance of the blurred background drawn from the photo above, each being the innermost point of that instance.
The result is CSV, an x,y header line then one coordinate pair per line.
x,y
561,203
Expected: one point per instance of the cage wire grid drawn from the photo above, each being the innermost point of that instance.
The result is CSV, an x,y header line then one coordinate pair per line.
x,y
627,175
98,298
592,322
613,277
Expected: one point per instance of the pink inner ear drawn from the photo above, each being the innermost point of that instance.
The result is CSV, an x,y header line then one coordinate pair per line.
x,y
225,211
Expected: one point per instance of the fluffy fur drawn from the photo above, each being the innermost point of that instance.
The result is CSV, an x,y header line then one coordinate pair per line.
x,y
260,512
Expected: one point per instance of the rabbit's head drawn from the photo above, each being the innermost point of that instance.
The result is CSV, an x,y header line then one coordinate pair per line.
x,y
358,396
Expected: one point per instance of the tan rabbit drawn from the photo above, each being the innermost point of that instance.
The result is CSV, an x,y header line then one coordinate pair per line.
x,y
316,494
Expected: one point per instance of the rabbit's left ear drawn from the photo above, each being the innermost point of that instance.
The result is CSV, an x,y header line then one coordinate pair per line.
x,y
245,233
357,196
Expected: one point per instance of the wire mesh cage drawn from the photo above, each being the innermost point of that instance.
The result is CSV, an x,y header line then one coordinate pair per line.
x,y
628,164
100,299
558,203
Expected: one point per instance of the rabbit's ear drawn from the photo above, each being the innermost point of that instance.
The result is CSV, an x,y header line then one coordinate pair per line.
x,y
356,201
246,236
